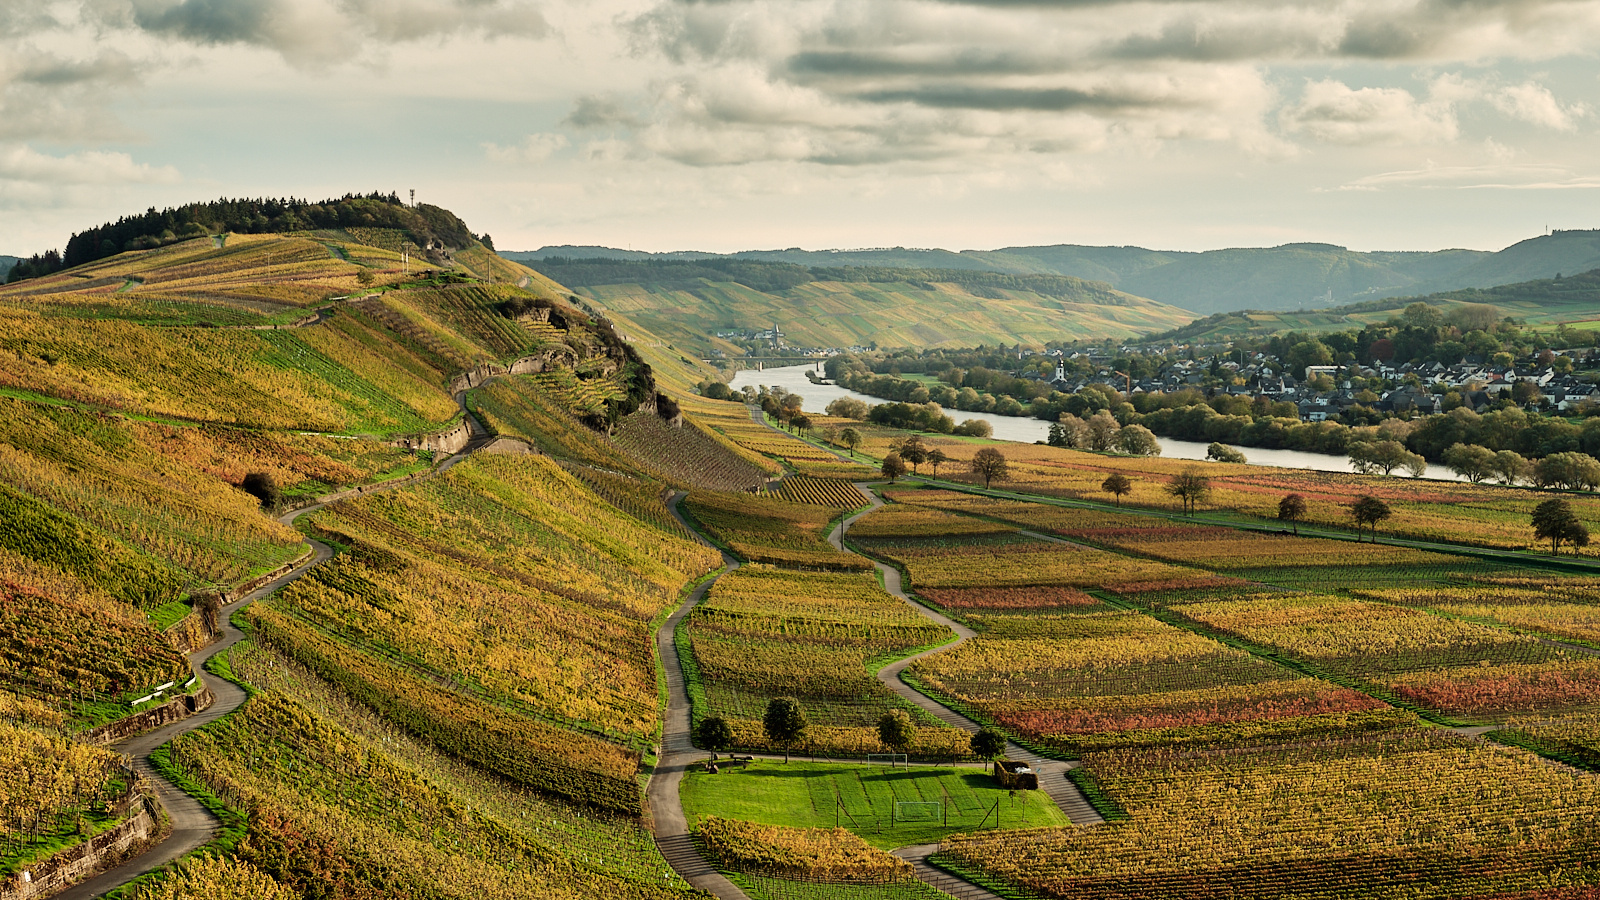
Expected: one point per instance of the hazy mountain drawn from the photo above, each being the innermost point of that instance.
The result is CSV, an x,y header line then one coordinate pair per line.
x,y
6,262
1289,277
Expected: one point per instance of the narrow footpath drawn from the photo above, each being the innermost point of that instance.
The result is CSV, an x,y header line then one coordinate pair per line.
x,y
192,825
678,752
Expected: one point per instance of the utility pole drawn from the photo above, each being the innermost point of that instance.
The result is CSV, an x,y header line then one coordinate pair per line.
x,y
413,198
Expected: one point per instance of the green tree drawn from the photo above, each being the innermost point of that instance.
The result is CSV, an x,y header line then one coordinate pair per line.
x,y
1470,461
1191,487
989,463
801,423
937,458
1510,467
1368,511
1118,485
1572,471
365,277
1137,440
1369,457
784,722
850,438
893,467
1103,430
1555,521
988,743
1291,509
1223,453
896,731
913,452
714,734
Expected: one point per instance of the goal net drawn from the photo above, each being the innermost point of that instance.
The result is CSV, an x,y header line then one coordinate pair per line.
x,y
918,811
887,759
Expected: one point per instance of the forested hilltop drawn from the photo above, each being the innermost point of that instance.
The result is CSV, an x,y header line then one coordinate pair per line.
x,y
423,225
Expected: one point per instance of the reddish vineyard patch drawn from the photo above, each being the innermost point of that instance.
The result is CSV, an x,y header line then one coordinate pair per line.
x,y
1041,597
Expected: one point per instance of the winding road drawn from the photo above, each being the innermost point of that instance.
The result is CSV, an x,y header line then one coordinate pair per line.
x,y
678,752
193,826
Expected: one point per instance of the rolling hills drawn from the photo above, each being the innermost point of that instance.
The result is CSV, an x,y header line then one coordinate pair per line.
x,y
1289,277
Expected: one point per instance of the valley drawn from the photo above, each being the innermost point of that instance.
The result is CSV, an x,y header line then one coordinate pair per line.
x,y
331,571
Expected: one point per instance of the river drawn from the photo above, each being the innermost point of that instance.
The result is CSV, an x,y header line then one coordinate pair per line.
x,y
1027,430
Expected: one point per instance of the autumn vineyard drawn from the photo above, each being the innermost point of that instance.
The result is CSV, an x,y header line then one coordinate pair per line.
x,y
486,598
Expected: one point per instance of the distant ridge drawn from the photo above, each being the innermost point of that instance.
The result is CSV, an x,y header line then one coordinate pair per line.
x,y
6,262
1304,275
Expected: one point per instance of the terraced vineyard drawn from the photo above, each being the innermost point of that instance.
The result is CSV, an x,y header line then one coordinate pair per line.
x,y
763,633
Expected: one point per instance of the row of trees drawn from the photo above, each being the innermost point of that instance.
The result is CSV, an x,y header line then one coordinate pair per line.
x,y
784,723
1102,433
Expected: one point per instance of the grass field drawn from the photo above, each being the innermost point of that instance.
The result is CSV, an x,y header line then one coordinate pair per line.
x,y
806,795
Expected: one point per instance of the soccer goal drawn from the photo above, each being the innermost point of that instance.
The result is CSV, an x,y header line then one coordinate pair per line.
x,y
918,811
887,759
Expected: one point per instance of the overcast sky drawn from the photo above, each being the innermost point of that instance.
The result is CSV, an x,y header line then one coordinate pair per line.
x,y
737,124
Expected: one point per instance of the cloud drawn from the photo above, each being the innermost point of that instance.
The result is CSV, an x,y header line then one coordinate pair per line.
x,y
1332,112
50,96
318,33
22,163
1495,177
535,148
1533,103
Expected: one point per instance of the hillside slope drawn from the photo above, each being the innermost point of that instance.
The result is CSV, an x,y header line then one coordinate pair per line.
x,y
1289,277
843,306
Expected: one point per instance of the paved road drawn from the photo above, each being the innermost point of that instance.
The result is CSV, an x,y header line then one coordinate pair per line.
x,y
1052,772
193,825
678,752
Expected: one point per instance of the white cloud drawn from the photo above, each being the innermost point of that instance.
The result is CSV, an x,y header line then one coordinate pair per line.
x,y
1499,176
1533,103
535,148
22,163
1333,112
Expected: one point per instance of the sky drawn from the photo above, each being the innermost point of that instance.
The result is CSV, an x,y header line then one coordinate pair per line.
x,y
724,125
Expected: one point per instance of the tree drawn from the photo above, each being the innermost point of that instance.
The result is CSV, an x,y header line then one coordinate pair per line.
x,y
1191,487
937,458
784,723
974,428
365,277
1368,510
988,743
990,463
1368,457
1555,521
1291,509
1510,467
893,467
714,734
1137,440
801,423
850,438
263,487
1069,431
1118,485
1223,453
847,408
1571,471
913,451
896,731
1103,430
1470,461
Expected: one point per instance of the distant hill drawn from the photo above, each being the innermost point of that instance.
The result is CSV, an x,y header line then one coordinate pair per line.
x,y
1290,277
6,262
688,300
1541,302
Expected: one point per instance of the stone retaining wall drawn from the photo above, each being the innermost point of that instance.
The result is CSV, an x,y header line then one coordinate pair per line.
x,y
75,864
175,710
